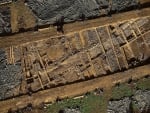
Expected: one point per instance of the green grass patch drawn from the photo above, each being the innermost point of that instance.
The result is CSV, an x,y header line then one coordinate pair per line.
x,y
144,84
94,104
56,107
89,104
123,90
134,108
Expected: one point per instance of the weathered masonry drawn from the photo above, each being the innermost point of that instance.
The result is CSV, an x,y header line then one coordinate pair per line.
x,y
80,56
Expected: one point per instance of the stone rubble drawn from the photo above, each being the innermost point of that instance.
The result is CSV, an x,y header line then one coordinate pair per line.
x,y
5,26
9,76
5,1
71,111
121,106
49,11
141,99
52,11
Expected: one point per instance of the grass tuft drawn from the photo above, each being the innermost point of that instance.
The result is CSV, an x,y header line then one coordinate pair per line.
x,y
124,90
144,84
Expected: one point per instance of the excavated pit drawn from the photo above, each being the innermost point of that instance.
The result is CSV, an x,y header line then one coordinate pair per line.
x,y
32,68
81,56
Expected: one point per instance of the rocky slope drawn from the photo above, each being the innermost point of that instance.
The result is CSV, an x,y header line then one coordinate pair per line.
x,y
5,1
5,26
9,76
140,102
50,11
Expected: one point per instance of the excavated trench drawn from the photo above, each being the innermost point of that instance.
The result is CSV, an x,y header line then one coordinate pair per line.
x,y
46,64
33,68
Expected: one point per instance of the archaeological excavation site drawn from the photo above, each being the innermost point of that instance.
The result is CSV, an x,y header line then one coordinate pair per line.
x,y
74,56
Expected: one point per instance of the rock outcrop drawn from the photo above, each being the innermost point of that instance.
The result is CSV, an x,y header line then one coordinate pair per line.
x,y
5,26
139,101
5,1
142,100
121,106
9,76
49,11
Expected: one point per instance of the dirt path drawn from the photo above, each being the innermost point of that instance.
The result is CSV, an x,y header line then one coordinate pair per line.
x,y
72,90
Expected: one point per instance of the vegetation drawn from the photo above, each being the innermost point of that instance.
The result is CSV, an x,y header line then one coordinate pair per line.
x,y
134,108
93,103
89,104
123,90
56,107
144,84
